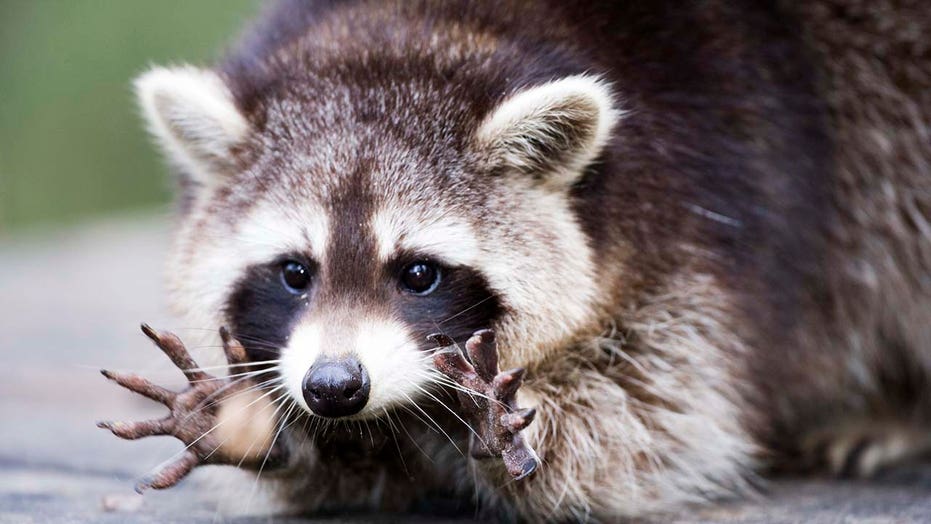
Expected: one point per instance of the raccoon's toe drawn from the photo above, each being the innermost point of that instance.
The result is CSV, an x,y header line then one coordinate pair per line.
x,y
871,449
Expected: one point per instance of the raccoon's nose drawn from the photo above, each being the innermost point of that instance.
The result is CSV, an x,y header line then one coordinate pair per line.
x,y
336,388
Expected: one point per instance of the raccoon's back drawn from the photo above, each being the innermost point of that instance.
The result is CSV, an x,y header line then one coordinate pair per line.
x,y
875,73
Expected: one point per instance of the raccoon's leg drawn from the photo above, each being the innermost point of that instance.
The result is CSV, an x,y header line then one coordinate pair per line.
x,y
628,427
201,416
604,455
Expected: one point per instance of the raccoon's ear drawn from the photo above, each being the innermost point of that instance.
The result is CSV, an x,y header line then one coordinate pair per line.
x,y
551,131
192,114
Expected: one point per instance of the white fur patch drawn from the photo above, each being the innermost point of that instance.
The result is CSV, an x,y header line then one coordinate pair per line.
x,y
203,275
395,365
304,346
545,274
451,241
271,231
192,114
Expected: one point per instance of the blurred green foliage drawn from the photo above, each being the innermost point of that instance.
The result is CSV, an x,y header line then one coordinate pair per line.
x,y
71,142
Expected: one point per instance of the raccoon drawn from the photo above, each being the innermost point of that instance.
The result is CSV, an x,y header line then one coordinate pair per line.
x,y
697,234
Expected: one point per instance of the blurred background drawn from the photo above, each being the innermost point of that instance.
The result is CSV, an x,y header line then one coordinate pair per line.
x,y
84,207
72,146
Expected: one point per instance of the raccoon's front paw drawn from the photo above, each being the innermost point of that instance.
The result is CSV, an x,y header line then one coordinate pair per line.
x,y
195,412
492,406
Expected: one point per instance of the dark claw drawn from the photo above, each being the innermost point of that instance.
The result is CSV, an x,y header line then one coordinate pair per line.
x,y
172,346
483,352
527,469
518,420
452,363
507,383
136,430
170,474
519,460
150,332
441,340
139,385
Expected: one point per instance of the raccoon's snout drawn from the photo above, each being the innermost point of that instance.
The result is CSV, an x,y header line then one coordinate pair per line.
x,y
336,388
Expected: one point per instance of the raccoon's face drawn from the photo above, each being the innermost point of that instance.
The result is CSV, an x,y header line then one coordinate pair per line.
x,y
333,239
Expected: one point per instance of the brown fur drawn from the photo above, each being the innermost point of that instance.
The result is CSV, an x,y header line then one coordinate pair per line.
x,y
867,352
759,223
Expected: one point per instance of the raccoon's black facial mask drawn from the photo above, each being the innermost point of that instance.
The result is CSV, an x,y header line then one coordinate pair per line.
x,y
428,297
267,301
454,300
290,311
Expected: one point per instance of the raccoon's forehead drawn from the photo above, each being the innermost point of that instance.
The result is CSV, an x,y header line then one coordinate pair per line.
x,y
389,200
367,110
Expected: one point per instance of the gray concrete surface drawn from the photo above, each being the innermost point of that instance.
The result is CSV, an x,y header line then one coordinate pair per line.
x,y
71,302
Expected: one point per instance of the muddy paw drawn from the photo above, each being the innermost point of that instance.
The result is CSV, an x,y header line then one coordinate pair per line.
x,y
492,408
193,412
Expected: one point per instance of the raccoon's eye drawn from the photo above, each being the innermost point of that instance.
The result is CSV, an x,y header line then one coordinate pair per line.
x,y
296,276
420,278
